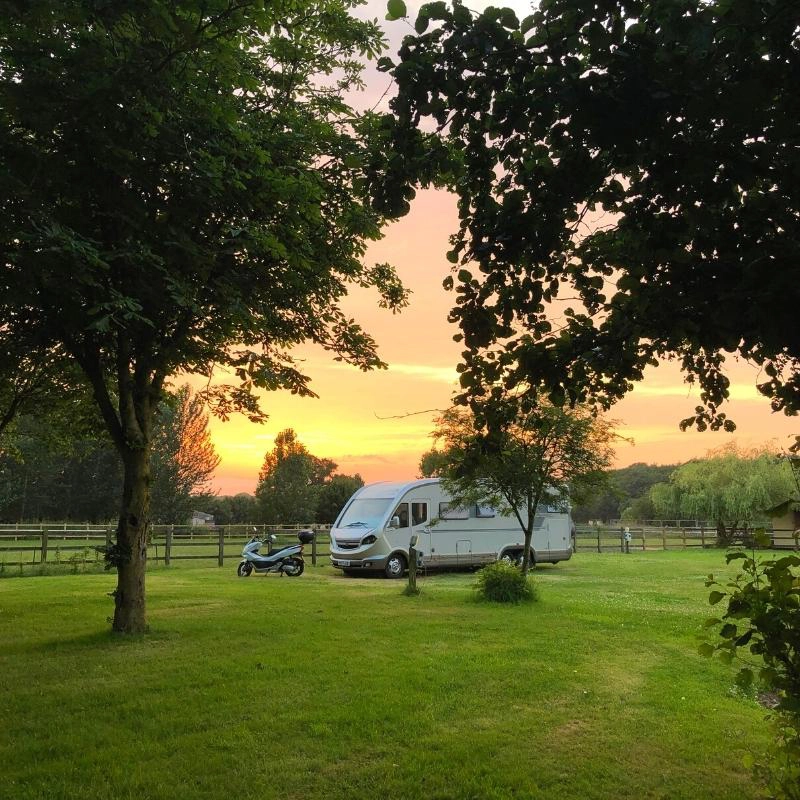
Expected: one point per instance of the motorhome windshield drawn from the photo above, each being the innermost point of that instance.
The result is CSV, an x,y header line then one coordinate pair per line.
x,y
364,513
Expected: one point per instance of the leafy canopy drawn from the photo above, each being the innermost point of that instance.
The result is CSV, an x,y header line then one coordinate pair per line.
x,y
628,189
531,459
178,190
730,486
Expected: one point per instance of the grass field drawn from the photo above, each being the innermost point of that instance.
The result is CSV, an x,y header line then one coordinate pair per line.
x,y
331,687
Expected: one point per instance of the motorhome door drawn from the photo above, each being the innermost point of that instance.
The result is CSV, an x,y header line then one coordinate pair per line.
x,y
421,525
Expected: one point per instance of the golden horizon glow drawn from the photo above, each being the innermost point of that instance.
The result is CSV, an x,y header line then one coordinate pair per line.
x,y
368,423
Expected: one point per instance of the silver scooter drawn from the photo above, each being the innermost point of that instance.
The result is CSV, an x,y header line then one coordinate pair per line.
x,y
287,561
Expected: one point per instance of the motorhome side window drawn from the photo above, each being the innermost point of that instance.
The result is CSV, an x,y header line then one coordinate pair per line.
x,y
449,511
401,512
484,512
419,513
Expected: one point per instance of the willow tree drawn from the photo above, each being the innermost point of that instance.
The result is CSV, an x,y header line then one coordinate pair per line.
x,y
180,188
627,182
731,487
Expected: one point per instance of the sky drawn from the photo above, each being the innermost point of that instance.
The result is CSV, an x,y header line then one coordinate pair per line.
x,y
378,424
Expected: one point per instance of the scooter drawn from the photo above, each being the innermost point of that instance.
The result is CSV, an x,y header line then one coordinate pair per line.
x,y
287,561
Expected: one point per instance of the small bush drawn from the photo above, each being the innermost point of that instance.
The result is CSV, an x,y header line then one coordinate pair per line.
x,y
504,583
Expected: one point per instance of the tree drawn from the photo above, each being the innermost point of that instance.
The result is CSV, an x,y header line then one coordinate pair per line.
x,y
432,463
627,191
529,460
290,480
627,494
731,487
232,510
184,458
182,186
333,495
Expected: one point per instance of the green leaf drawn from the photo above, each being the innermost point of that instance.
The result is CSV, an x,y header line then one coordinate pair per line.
x,y
728,631
762,538
711,622
706,649
396,10
715,597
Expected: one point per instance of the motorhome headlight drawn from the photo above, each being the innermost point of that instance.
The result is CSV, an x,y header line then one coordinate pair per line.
x,y
371,539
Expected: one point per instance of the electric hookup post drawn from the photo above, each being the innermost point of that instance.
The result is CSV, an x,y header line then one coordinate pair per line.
x,y
627,539
412,565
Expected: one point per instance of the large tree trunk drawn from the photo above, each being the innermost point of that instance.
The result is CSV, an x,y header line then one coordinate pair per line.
x,y
132,536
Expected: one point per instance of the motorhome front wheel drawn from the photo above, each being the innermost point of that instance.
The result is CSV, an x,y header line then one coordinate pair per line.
x,y
395,566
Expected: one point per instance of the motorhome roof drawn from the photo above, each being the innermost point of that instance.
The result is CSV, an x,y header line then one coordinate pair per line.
x,y
393,489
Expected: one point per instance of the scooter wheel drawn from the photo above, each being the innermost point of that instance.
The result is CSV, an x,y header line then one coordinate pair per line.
x,y
244,569
294,567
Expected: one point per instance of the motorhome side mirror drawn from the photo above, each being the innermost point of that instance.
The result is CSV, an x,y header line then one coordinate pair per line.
x,y
395,523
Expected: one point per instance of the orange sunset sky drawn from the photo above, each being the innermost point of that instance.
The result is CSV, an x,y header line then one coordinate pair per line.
x,y
355,420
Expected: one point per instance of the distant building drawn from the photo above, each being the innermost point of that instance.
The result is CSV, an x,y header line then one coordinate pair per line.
x,y
201,518
785,523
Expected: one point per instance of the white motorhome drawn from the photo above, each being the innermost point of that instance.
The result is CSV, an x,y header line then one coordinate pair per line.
x,y
373,531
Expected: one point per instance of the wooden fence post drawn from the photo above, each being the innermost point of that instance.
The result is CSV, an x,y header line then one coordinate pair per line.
x,y
221,548
644,539
44,545
663,538
598,539
314,549
702,538
683,537
168,545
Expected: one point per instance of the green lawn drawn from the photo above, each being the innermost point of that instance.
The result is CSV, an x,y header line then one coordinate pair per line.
x,y
332,687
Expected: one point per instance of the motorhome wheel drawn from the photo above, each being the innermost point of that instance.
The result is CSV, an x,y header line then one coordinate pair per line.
x,y
395,565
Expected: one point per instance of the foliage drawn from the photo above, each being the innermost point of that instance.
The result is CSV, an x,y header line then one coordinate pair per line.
x,y
333,494
613,162
763,618
181,187
231,510
60,465
505,583
626,495
184,458
731,487
527,460
57,464
432,463
295,486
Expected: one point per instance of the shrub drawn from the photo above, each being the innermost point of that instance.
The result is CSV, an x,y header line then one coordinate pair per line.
x,y
504,583
763,618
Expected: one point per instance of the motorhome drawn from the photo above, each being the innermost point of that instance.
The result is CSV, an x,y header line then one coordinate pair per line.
x,y
373,531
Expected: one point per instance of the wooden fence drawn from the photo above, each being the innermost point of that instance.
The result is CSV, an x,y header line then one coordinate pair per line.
x,y
75,545
25,545
607,538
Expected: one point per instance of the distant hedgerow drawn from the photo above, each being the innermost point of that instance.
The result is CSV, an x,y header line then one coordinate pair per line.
x,y
504,583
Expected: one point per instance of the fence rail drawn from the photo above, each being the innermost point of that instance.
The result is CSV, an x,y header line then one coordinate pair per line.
x,y
27,545
606,538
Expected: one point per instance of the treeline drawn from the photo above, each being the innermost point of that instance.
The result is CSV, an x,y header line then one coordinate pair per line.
x,y
61,465
730,488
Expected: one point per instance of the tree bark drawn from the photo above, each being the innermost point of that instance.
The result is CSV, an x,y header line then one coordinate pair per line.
x,y
132,537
